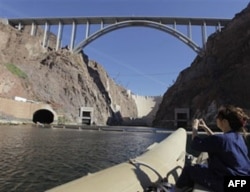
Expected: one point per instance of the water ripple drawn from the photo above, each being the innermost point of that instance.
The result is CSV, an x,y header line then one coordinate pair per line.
x,y
35,159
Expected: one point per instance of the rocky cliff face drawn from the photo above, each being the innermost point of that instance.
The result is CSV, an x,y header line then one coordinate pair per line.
x,y
67,81
221,76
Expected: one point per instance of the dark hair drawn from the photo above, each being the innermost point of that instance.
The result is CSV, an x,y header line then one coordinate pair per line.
x,y
236,117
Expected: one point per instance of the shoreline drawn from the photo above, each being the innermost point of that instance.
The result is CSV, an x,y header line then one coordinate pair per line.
x,y
82,127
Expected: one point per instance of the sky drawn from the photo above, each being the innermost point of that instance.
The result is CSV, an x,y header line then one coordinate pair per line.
x,y
144,60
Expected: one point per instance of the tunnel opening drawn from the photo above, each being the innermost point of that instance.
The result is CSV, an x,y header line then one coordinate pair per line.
x,y
43,116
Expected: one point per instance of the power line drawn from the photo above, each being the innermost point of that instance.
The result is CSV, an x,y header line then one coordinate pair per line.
x,y
145,74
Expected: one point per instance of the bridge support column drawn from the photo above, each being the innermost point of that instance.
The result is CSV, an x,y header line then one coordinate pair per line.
x,y
87,30
33,29
73,34
190,30
204,35
218,27
102,24
46,34
59,36
19,26
174,25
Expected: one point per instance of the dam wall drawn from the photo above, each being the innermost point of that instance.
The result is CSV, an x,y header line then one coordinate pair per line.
x,y
147,107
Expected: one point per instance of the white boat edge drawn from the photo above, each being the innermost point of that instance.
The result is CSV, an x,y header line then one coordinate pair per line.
x,y
165,160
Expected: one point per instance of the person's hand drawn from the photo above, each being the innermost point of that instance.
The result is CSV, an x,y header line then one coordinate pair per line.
x,y
195,124
202,124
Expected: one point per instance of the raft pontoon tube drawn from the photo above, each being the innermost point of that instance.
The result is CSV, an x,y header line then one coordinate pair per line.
x,y
161,160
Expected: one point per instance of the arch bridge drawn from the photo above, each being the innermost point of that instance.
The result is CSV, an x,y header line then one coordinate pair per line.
x,y
107,24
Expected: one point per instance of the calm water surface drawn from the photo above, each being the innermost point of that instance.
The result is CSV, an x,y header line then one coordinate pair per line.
x,y
36,159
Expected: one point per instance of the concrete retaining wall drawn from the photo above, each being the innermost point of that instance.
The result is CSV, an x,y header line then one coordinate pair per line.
x,y
22,110
146,107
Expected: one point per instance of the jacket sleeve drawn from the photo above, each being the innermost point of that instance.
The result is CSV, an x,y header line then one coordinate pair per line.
x,y
211,143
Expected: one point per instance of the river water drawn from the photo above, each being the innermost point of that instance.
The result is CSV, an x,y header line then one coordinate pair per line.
x,y
36,159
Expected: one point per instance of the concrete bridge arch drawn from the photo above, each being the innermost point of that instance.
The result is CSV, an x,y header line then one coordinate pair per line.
x,y
145,23
107,24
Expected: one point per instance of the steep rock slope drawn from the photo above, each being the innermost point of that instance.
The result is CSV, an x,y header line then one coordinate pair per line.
x,y
221,76
65,80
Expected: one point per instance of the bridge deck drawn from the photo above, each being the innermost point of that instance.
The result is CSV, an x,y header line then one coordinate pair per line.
x,y
113,19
